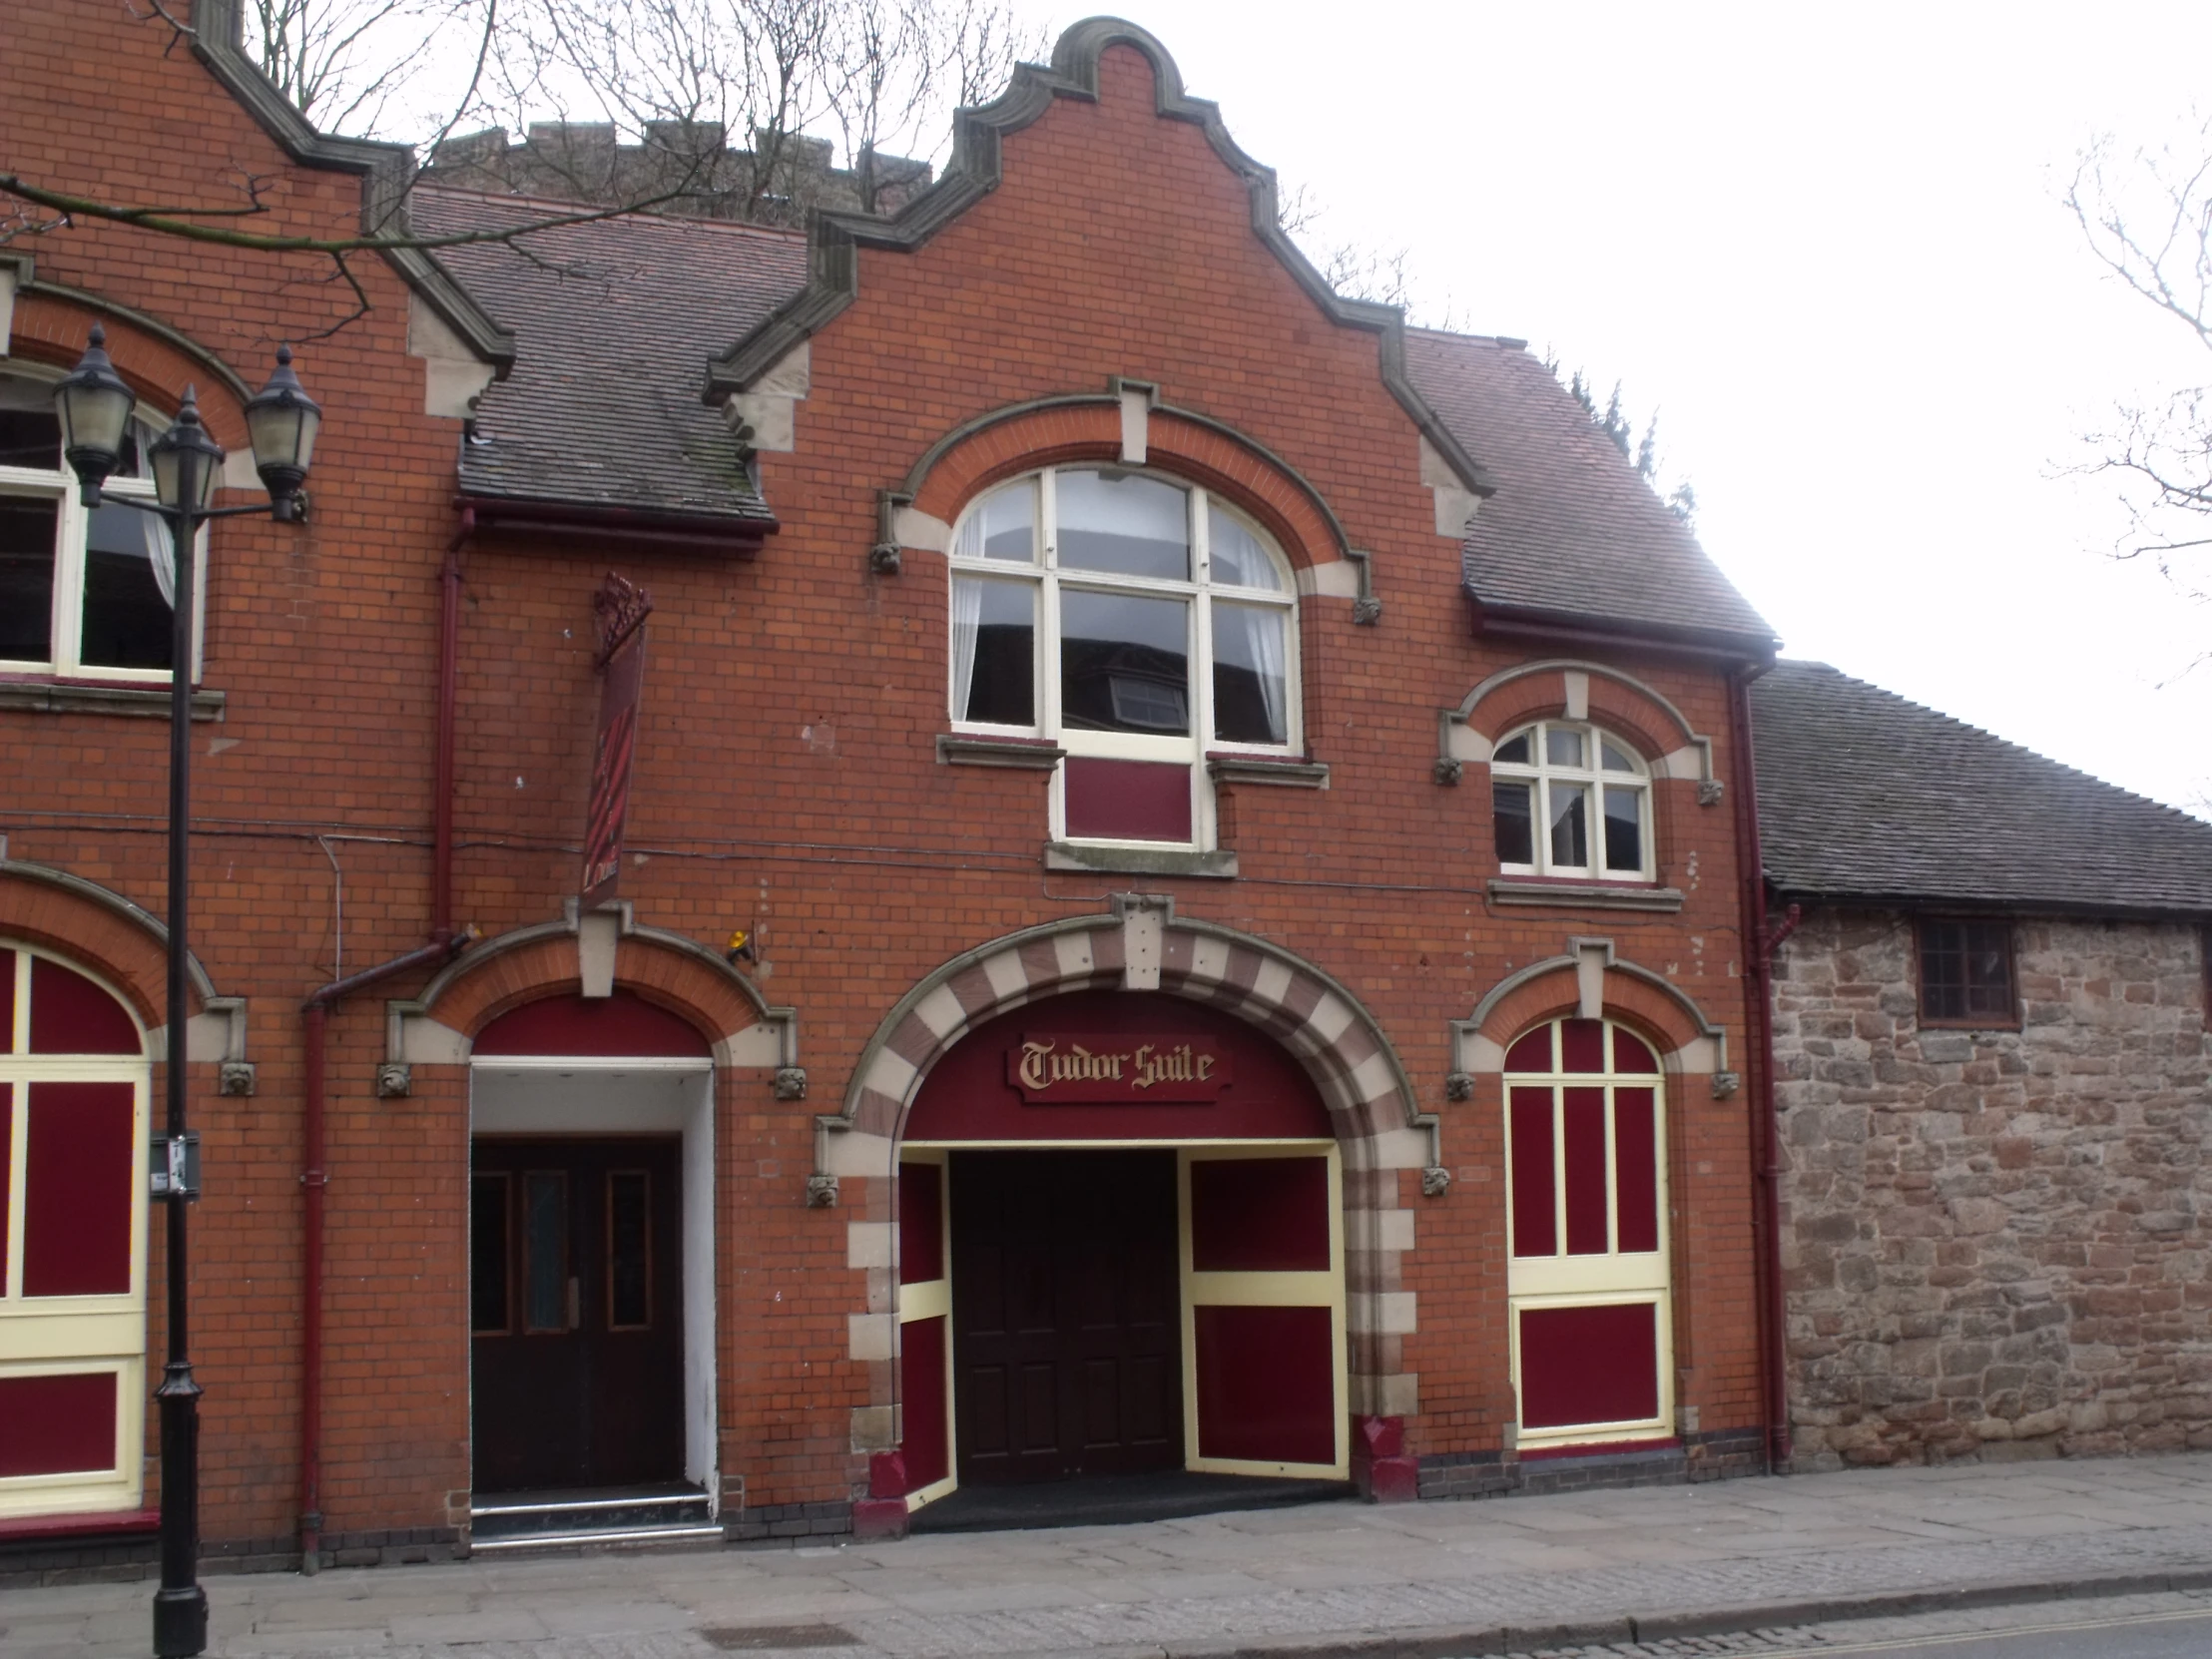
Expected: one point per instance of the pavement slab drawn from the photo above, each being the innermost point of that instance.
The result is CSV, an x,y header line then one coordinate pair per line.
x,y
1680,1566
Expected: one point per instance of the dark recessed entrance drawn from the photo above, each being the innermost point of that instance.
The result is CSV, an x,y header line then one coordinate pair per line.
x,y
577,1301
1067,1316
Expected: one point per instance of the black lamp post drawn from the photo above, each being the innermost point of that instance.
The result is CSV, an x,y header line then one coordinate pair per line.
x,y
95,407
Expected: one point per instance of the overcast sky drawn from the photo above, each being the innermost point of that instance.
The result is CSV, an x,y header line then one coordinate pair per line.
x,y
1826,244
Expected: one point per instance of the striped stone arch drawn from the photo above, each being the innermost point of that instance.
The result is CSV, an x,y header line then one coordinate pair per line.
x,y
1140,944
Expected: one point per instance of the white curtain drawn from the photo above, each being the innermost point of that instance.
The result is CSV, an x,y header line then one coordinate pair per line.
x,y
1264,650
161,553
967,619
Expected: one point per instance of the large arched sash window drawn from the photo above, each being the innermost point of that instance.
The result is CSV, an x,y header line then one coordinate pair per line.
x,y
1586,1140
73,1194
1137,622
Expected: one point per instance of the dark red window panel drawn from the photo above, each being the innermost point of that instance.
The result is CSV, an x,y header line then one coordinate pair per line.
x,y
1128,800
1585,1134
1631,1053
57,1424
1535,1226
618,1026
1260,1215
79,1165
1636,1168
921,1223
71,1016
921,1387
1532,1052
1588,1364
1266,1385
1581,1045
7,1000
7,1172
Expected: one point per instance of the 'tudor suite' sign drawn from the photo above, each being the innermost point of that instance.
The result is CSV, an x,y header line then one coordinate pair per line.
x,y
1091,1069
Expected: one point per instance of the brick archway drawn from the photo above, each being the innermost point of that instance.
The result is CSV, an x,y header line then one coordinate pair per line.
x,y
1575,690
1140,945
127,946
594,953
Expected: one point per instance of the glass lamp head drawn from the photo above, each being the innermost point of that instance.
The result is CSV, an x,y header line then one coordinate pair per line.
x,y
187,463
94,405
283,421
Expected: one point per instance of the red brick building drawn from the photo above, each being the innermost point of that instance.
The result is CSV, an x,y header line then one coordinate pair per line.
x,y
1237,811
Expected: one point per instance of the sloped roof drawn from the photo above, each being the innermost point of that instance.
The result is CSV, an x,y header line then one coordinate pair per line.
x,y
1571,531
612,321
1864,795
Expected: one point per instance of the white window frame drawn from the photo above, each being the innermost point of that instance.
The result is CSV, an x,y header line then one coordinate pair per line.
x,y
1595,1279
66,624
74,1335
1594,777
1200,592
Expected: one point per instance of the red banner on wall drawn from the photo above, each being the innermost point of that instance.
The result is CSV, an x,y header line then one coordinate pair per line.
x,y
622,609
1093,1070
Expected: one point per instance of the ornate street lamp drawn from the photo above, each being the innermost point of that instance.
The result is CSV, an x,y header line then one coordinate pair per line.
x,y
95,407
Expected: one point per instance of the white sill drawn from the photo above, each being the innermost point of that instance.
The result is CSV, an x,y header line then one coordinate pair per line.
x,y
1582,894
148,700
1139,859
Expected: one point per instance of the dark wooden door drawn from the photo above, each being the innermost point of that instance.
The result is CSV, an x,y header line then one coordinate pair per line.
x,y
1066,1308
577,1301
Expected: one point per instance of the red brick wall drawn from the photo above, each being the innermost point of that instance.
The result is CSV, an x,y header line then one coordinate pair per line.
x,y
787,778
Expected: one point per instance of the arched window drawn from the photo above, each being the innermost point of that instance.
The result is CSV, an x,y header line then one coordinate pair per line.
x,y
1572,800
1136,621
1586,1206
73,1192
84,591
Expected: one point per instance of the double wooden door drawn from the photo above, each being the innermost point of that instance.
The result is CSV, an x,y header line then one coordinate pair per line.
x,y
1067,1322
577,1303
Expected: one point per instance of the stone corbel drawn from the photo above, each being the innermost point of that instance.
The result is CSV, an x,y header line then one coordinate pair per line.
x,y
1435,1180
1366,608
1460,1085
821,1192
883,559
791,1082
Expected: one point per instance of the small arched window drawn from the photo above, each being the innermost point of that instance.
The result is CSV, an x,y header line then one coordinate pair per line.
x,y
1135,621
1569,798
83,590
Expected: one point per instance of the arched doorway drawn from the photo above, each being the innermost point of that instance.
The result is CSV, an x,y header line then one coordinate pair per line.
x,y
590,1260
1121,1252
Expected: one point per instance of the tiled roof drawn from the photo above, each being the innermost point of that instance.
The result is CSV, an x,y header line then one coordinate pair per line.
x,y
614,322
1572,530
1865,795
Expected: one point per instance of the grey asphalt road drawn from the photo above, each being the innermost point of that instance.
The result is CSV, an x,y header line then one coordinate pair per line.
x,y
2150,1627
2158,1636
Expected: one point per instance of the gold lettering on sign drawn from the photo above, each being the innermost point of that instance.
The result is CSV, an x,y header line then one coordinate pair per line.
x,y
1072,1070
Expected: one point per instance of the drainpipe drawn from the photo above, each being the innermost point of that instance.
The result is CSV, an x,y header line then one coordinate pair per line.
x,y
1765,1134
445,944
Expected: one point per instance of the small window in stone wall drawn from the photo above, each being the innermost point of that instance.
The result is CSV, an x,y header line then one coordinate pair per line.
x,y
1967,974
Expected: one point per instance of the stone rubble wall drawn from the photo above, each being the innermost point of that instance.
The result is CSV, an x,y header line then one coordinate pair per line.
x,y
1997,1244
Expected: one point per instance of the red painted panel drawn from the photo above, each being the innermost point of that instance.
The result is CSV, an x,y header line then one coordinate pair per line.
x,y
1128,800
1532,1052
1631,1053
1585,1159
1636,1167
1588,1364
1266,1385
1260,1215
1535,1224
613,1028
920,1223
7,1000
1581,1045
921,1387
57,1424
71,1016
7,1171
967,1096
79,1164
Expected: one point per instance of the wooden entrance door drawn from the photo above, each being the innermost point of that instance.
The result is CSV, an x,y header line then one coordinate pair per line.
x,y
1066,1314
577,1300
